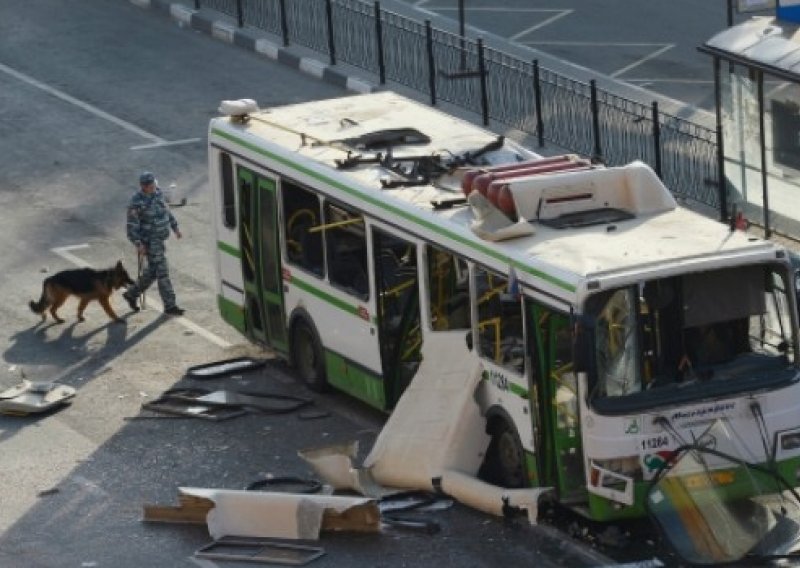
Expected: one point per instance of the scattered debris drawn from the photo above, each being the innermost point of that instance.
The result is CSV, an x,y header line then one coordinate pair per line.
x,y
244,513
313,414
29,397
46,492
286,484
226,367
223,404
253,550
267,402
404,510
612,536
437,420
184,402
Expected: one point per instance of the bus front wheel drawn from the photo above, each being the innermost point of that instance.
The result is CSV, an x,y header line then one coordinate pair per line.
x,y
505,459
307,356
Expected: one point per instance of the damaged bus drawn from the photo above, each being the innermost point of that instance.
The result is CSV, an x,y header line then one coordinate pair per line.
x,y
610,327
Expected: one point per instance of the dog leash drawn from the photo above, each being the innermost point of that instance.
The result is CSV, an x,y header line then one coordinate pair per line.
x,y
139,255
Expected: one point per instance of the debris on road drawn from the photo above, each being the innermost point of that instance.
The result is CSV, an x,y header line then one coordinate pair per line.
x,y
29,397
261,551
226,367
242,513
223,404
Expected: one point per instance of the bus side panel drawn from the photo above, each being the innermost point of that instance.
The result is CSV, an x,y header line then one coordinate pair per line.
x,y
342,328
227,263
232,313
355,380
231,298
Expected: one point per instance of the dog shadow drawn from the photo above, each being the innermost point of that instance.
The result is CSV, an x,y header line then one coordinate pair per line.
x,y
41,345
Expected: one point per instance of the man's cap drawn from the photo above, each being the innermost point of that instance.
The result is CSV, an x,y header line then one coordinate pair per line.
x,y
147,177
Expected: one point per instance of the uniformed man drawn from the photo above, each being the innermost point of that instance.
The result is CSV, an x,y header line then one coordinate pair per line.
x,y
149,223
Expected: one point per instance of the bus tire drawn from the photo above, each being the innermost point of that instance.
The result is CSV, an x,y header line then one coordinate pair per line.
x,y
505,459
307,356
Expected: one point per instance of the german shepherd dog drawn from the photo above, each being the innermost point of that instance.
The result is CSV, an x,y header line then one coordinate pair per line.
x,y
86,283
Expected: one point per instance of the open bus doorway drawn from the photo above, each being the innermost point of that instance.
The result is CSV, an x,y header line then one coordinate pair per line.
x,y
260,260
400,335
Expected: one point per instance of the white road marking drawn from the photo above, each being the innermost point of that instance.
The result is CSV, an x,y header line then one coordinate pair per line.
x,y
557,16
80,104
156,141
64,252
662,47
686,81
162,144
653,55
560,14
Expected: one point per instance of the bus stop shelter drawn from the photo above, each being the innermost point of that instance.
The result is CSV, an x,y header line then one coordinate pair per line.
x,y
757,87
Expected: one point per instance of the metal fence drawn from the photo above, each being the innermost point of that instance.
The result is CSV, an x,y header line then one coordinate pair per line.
x,y
448,67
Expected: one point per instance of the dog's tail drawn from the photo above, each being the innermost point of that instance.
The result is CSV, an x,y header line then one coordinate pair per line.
x,y
44,301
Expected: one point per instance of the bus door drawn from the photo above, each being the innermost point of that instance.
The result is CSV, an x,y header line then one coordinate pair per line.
x,y
398,310
560,457
261,265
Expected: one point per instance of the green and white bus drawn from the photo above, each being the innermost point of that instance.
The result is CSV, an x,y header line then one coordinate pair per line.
x,y
611,325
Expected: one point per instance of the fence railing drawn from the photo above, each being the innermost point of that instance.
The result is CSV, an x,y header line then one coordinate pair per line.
x,y
444,66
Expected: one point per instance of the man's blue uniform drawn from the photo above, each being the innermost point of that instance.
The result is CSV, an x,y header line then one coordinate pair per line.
x,y
149,223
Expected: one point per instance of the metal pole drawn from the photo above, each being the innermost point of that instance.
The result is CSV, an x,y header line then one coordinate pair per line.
x,y
284,24
482,74
431,62
461,21
379,38
239,13
762,140
537,101
723,179
331,41
730,13
597,153
462,31
196,4
657,139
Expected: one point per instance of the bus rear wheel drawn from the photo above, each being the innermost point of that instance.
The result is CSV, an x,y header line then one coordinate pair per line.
x,y
307,356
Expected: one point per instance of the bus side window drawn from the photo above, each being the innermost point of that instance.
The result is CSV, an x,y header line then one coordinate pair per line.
x,y
448,290
301,215
228,191
500,336
346,244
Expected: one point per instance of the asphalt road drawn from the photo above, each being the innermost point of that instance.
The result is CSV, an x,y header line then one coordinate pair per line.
x,y
91,94
647,43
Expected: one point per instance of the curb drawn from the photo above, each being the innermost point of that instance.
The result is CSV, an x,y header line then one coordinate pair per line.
x,y
246,39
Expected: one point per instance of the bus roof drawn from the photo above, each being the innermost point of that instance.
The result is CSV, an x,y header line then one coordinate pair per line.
x,y
407,158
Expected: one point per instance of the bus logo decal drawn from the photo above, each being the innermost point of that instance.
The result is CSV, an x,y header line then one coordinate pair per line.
x,y
655,461
363,313
633,427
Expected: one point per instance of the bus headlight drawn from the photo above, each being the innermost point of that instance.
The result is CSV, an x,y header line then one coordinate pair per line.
x,y
614,479
790,441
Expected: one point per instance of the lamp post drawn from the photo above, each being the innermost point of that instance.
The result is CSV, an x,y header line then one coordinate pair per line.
x,y
461,25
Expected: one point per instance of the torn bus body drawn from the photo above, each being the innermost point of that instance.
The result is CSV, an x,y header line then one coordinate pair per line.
x,y
434,440
553,323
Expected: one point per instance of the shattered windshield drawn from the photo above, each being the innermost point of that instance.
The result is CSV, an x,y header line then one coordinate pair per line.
x,y
724,331
715,508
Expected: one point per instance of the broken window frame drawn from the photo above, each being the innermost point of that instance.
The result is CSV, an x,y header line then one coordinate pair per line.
x,y
663,361
346,249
